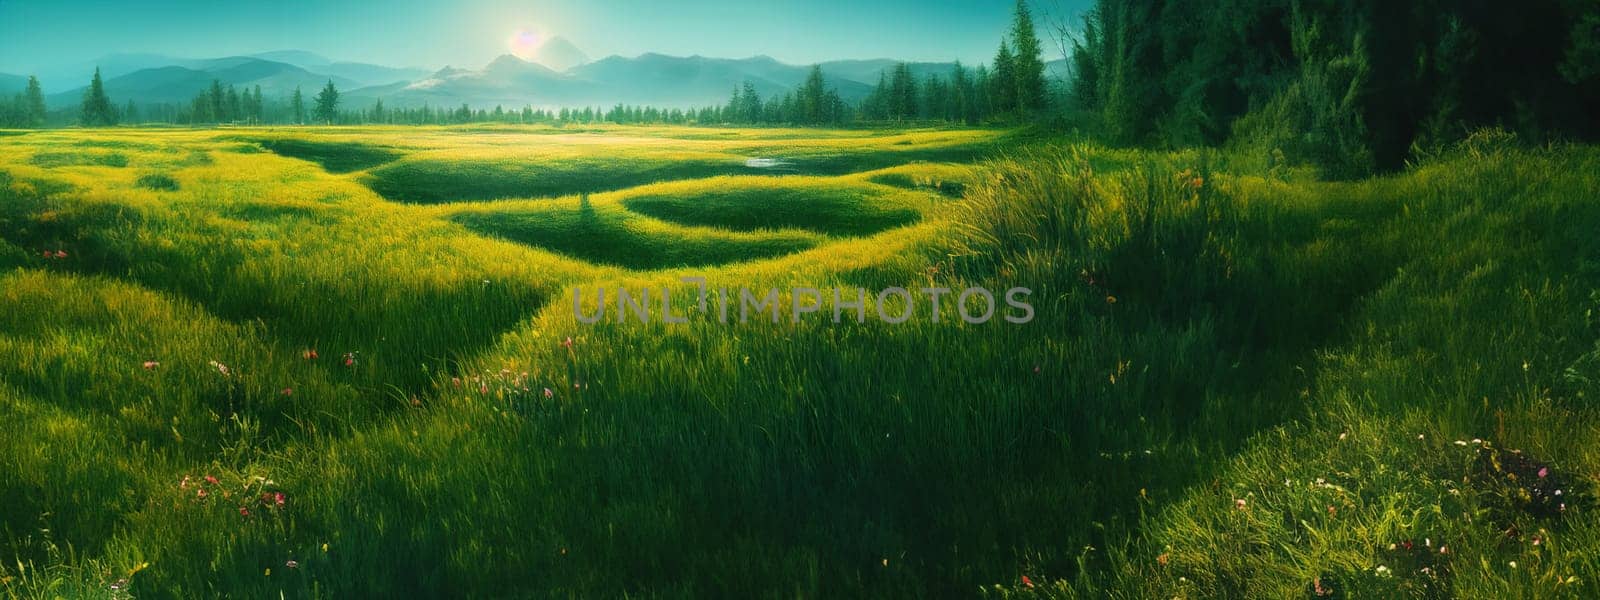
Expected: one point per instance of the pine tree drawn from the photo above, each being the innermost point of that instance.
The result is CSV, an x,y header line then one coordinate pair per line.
x,y
297,105
903,93
735,105
97,108
750,108
327,108
1003,82
813,98
33,111
1028,68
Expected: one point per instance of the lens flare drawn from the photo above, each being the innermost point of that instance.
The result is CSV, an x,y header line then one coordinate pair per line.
x,y
525,44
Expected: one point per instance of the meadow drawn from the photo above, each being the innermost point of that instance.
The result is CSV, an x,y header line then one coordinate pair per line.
x,y
333,362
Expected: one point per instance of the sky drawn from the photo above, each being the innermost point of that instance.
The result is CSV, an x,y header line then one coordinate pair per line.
x,y
40,34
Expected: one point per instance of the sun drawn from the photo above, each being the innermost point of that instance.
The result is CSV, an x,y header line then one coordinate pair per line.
x,y
525,43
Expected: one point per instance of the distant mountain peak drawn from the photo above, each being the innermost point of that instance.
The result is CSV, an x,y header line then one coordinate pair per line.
x,y
559,54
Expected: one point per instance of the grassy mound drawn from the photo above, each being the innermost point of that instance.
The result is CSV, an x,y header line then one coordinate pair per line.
x,y
749,204
606,235
335,157
436,180
157,181
80,159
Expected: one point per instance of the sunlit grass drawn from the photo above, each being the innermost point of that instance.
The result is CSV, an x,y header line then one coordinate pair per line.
x,y
410,376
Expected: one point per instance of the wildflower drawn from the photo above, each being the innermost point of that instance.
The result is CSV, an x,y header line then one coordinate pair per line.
x,y
1342,436
1026,581
1537,540
1513,564
1036,369
244,512
1163,559
1332,510
1240,504
221,368
211,480
1111,299
151,365
278,498
567,343
292,564
455,381
548,393
1544,472
1381,571
1443,549
309,355
201,493
349,359
61,254
288,391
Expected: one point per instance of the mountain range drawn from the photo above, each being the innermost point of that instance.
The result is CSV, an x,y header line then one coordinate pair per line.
x,y
559,75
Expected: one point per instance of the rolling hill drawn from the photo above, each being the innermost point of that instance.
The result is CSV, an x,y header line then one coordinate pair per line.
x,y
179,84
11,84
559,75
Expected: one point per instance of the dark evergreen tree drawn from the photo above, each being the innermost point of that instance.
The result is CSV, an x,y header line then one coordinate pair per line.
x,y
31,104
1028,67
327,107
97,108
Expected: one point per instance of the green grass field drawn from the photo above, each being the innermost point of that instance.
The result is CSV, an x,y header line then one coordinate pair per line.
x,y
334,362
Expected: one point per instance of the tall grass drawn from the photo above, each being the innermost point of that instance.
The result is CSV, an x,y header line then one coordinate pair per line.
x,y
1200,337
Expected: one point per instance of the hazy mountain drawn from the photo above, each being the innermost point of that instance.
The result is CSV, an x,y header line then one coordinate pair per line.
x,y
11,84
560,55
363,74
654,79
508,81
560,75
180,84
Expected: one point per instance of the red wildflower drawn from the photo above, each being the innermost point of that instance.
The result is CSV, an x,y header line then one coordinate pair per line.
x,y
567,343
211,480
309,354
61,254
350,359
200,493
150,365
278,498
244,512
288,391
548,393
1026,581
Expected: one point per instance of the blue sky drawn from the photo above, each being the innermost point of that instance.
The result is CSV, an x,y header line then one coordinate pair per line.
x,y
37,34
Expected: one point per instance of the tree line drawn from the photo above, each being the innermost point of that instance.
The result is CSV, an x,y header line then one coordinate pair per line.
x,y
1012,89
1352,85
